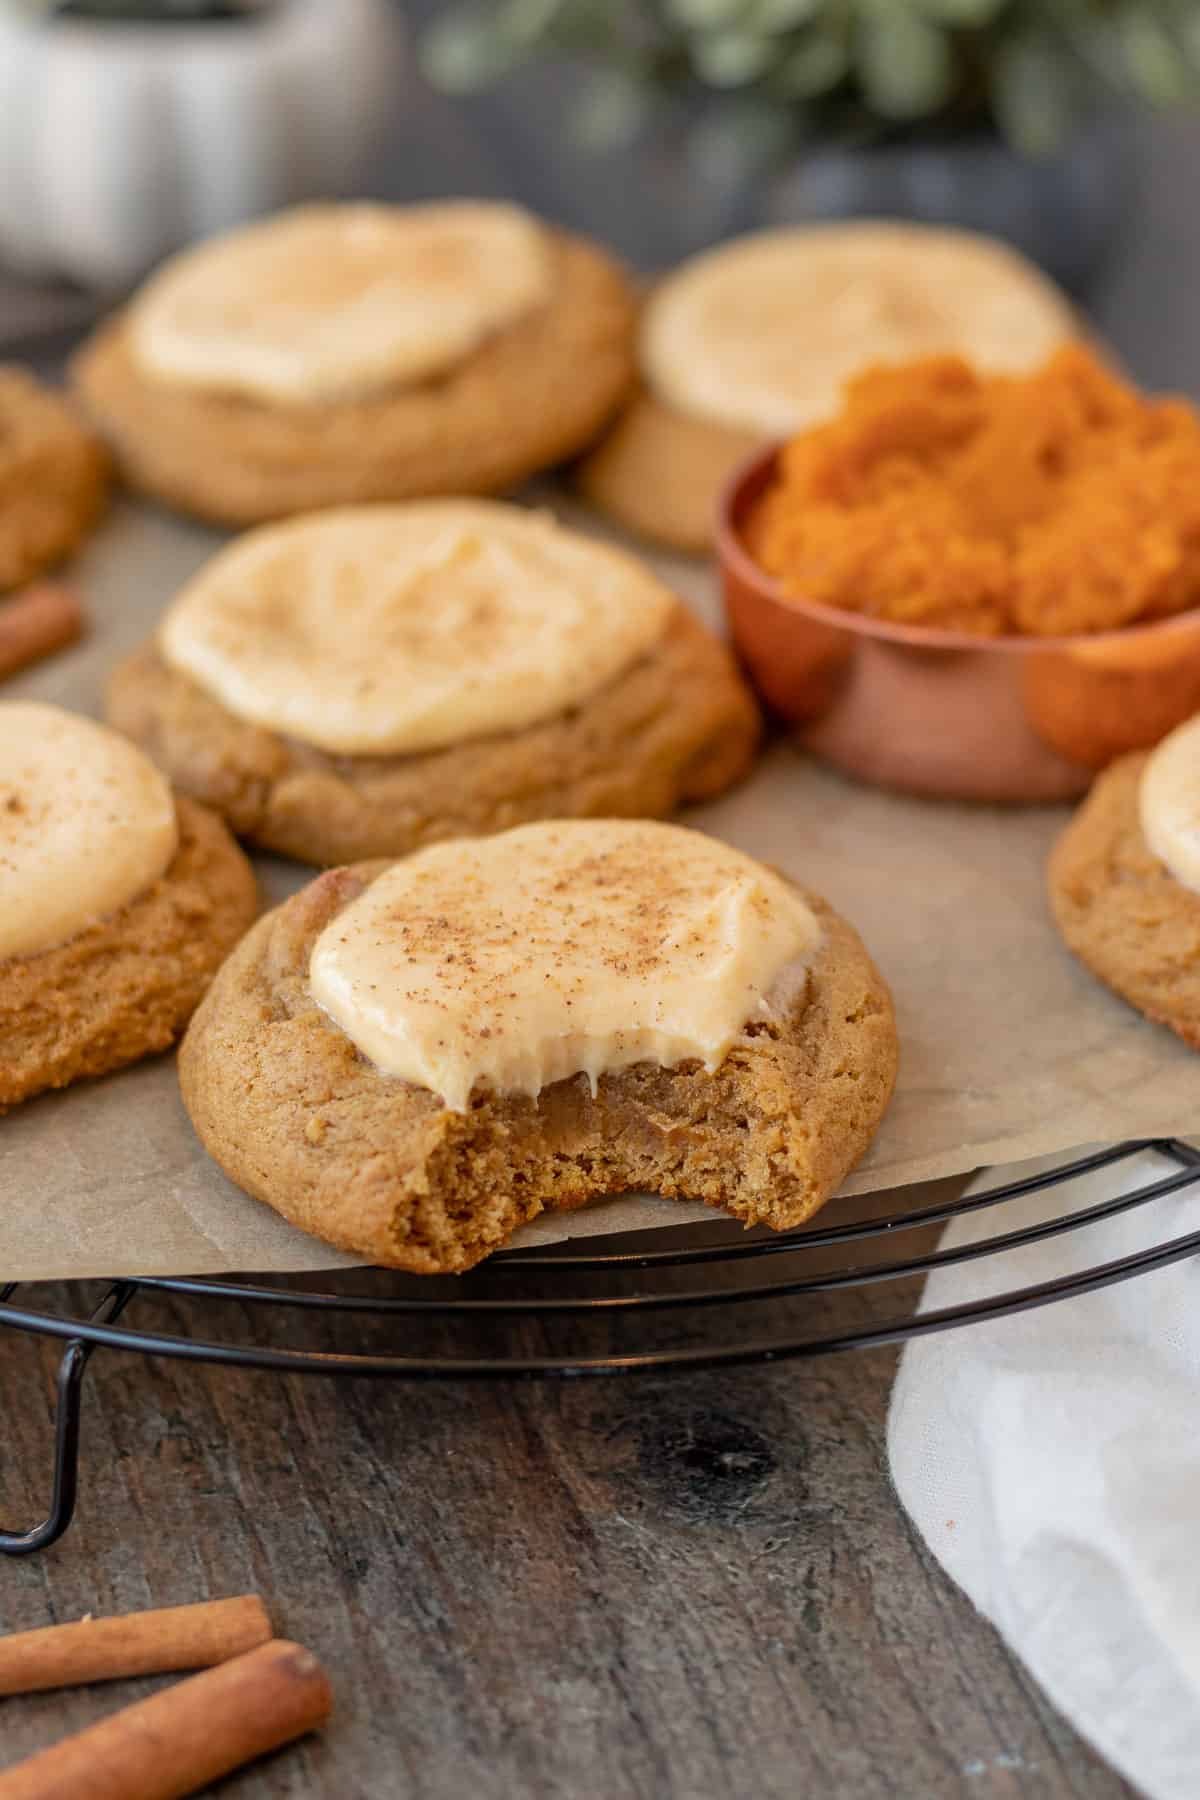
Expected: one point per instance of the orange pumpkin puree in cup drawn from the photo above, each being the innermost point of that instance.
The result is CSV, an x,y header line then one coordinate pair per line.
x,y
1050,504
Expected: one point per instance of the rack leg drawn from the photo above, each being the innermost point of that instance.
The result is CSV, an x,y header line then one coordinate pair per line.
x,y
67,1416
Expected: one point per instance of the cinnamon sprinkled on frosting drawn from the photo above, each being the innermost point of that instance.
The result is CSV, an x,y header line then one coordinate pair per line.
x,y
511,962
389,630
86,824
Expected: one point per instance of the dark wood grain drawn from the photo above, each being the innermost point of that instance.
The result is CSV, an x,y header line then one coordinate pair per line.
x,y
671,1587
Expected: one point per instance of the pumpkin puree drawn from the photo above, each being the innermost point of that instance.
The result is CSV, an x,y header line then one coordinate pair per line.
x,y
1059,502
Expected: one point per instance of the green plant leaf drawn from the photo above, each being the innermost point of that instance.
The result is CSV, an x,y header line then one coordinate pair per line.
x,y
904,62
815,65
464,51
706,15
1157,67
1189,32
1034,94
964,13
612,111
785,15
736,140
529,20
851,65
730,59
595,28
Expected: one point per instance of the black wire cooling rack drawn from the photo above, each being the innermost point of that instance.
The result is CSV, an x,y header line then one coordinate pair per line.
x,y
705,1302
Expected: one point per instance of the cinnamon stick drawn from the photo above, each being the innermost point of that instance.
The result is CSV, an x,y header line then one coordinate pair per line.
x,y
187,1736
146,1643
35,623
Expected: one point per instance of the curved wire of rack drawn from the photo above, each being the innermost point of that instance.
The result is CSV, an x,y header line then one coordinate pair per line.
x,y
599,1290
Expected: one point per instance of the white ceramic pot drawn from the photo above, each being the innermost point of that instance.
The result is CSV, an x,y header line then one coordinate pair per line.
x,y
120,142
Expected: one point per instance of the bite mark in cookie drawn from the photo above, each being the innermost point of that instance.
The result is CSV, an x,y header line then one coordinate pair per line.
x,y
295,1113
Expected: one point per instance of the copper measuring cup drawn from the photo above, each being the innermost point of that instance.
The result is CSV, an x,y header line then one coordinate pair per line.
x,y
945,713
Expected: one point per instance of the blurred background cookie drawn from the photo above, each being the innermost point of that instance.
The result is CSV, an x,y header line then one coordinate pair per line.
x,y
118,901
362,681
756,339
54,477
335,354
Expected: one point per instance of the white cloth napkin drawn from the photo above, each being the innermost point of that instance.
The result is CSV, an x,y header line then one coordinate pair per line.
x,y
1051,1460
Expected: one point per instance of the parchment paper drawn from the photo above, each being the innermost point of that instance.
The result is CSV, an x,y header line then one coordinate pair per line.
x,y
1009,1049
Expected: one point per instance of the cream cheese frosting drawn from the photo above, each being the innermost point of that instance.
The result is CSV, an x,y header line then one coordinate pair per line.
x,y
388,630
1169,803
762,334
86,824
327,303
510,962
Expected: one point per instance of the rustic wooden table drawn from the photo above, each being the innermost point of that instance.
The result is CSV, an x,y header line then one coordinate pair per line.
x,y
661,1589
671,1588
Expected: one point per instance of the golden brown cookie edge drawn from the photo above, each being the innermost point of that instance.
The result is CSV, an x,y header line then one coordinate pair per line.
x,y
660,473
55,477
678,727
1121,911
532,396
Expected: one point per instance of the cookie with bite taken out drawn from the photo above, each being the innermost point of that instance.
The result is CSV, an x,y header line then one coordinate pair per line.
x,y
411,1060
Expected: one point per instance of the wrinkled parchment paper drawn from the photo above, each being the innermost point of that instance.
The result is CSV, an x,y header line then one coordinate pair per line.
x,y
1009,1049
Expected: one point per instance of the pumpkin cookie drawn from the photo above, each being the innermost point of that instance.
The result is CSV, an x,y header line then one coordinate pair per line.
x,y
337,354
755,340
361,682
117,902
1125,881
53,478
412,1060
